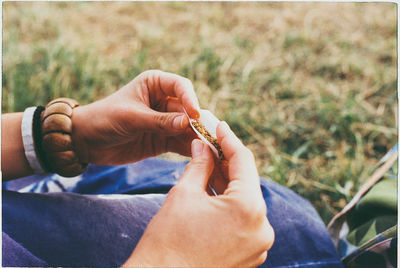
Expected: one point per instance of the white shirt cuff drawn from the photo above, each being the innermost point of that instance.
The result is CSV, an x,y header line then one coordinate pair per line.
x,y
27,138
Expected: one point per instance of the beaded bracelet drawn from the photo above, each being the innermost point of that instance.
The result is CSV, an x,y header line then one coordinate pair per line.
x,y
58,154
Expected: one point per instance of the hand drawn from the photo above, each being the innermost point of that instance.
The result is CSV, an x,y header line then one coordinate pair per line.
x,y
193,228
144,118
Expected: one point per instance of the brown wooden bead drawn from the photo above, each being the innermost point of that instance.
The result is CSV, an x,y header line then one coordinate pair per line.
x,y
72,103
72,170
57,142
57,123
60,159
57,108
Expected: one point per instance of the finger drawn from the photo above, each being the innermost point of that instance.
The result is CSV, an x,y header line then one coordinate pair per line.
x,y
217,179
174,106
241,164
165,123
181,144
182,88
199,170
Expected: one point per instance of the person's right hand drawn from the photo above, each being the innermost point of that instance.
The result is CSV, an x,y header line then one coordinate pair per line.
x,y
193,228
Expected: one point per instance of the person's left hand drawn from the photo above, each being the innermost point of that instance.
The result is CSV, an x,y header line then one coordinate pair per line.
x,y
144,118
195,229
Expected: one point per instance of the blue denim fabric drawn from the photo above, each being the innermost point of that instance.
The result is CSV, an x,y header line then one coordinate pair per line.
x,y
96,219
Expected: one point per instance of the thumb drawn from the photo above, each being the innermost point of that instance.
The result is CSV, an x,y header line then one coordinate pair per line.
x,y
168,123
199,170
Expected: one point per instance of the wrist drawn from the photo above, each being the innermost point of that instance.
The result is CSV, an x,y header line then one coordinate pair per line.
x,y
137,261
13,160
151,260
150,253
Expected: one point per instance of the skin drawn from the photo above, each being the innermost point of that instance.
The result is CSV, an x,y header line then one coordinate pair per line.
x,y
138,121
145,118
13,161
193,228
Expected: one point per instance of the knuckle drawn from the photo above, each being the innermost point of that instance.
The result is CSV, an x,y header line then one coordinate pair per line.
x,y
261,209
179,191
187,81
267,236
174,190
145,74
245,152
248,153
262,258
252,213
196,163
150,76
245,211
163,121
150,72
259,213
200,161
270,237
264,241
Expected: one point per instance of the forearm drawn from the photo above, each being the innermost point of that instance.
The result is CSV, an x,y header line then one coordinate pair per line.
x,y
13,161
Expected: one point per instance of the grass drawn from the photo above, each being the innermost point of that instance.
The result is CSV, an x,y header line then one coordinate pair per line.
x,y
309,87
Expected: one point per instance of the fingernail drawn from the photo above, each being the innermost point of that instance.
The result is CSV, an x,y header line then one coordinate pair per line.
x,y
197,148
178,122
197,114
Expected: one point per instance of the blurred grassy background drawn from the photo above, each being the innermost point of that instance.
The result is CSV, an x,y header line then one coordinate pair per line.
x,y
309,87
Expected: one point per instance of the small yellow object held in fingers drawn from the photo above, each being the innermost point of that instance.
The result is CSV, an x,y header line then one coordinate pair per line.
x,y
204,133
205,128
